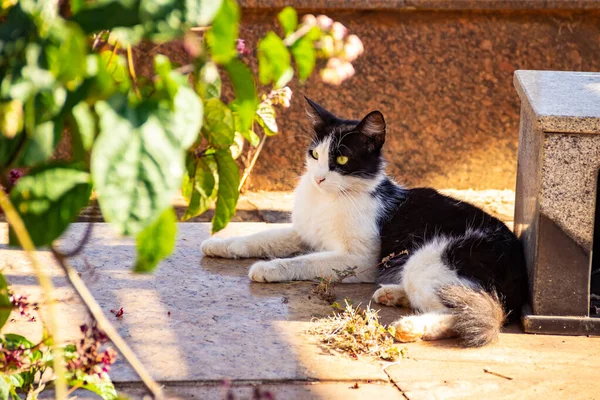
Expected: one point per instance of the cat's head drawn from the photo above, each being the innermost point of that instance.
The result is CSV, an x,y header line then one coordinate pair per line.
x,y
345,155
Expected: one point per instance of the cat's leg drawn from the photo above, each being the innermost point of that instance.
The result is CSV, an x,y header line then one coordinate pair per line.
x,y
282,242
391,295
311,266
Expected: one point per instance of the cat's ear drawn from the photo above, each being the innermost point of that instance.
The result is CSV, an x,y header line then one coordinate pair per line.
x,y
373,127
317,115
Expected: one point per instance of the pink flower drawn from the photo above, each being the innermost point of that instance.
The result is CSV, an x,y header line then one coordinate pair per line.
x,y
324,22
353,48
338,31
192,44
241,48
309,20
327,46
14,175
337,71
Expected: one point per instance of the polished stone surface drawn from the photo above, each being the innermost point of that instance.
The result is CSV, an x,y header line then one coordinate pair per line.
x,y
564,102
568,188
199,321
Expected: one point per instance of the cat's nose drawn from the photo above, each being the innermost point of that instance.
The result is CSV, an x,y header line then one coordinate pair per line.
x,y
319,180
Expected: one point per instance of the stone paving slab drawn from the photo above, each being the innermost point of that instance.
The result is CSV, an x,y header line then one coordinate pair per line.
x,y
198,321
196,318
539,366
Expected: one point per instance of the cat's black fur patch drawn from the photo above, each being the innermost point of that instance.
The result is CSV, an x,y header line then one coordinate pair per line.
x,y
481,247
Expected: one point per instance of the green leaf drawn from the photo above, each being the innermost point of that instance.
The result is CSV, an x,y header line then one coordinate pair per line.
x,y
209,81
201,12
98,83
182,113
156,241
40,146
251,137
76,5
117,69
13,341
274,61
221,38
99,384
66,53
5,304
108,14
218,127
199,187
288,18
5,387
11,118
8,148
304,55
137,162
17,380
83,130
167,81
245,93
227,195
266,118
50,198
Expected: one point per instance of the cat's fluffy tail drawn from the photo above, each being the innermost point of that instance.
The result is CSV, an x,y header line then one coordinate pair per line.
x,y
479,314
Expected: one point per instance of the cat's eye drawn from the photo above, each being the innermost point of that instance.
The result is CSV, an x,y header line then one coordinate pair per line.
x,y
342,160
314,154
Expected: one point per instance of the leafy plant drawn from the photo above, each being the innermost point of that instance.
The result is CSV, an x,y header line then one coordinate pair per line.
x,y
136,141
25,367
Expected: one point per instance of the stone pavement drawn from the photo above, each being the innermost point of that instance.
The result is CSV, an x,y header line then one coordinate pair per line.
x,y
198,321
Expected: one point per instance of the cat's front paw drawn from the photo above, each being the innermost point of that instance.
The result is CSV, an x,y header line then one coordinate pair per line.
x,y
268,271
224,248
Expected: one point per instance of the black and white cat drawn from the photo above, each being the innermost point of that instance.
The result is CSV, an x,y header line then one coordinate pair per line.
x,y
459,267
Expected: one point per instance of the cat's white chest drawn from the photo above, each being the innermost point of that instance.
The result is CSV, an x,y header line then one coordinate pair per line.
x,y
333,222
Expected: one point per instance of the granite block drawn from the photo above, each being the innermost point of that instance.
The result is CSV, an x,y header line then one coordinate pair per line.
x,y
559,160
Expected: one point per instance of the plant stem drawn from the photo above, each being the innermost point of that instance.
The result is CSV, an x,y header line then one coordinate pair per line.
x,y
295,36
97,39
248,170
82,243
14,219
112,55
103,322
132,72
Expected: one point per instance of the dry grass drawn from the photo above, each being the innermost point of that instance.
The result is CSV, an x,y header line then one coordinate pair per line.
x,y
325,287
355,332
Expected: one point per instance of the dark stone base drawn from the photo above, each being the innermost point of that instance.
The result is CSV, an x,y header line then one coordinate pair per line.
x,y
560,325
